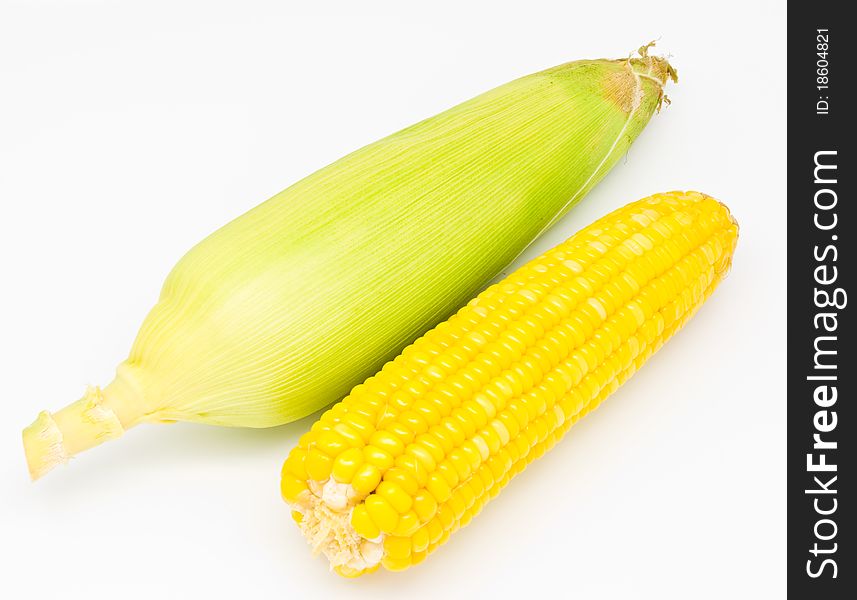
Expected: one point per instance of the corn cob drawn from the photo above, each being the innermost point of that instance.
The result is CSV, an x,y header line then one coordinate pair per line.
x,y
286,308
415,452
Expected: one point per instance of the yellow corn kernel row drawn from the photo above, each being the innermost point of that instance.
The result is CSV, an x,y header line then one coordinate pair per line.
x,y
413,453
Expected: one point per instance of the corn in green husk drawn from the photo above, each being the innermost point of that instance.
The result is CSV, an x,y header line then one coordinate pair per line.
x,y
283,310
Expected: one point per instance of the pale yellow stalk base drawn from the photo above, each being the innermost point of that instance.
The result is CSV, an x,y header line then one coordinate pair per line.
x,y
101,415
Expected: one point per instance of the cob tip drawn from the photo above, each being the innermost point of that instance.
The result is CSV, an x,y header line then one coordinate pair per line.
x,y
54,438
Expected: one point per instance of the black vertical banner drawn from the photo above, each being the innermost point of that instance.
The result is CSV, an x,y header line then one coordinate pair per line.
x,y
822,368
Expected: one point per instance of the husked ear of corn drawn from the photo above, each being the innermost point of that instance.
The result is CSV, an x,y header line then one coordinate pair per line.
x,y
413,454
286,308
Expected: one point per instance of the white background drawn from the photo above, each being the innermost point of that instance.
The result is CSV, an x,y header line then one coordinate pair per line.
x,y
130,130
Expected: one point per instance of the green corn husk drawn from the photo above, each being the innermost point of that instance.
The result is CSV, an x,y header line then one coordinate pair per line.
x,y
283,310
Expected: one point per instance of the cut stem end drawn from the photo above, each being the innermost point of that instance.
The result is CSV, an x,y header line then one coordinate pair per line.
x,y
328,530
53,439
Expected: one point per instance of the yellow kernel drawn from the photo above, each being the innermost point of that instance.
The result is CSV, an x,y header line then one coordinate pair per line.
x,y
638,313
387,442
382,513
456,504
346,464
545,425
400,401
294,464
425,505
377,457
369,408
486,474
464,420
477,374
527,373
573,266
517,409
320,426
492,439
331,443
361,425
443,438
504,460
297,516
348,433
537,402
414,422
446,516
427,411
531,435
438,487
455,431
434,373
336,413
515,381
466,493
443,398
350,572
413,387
413,466
460,463
501,388
397,547
416,355
430,443
318,464
476,484
306,439
461,385
291,488
444,537
475,414
481,446
363,523
404,478
501,429
408,524
396,564
486,404
395,495
366,479
435,530
472,453
420,540
442,404
401,432
487,364
421,454
560,414
448,472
